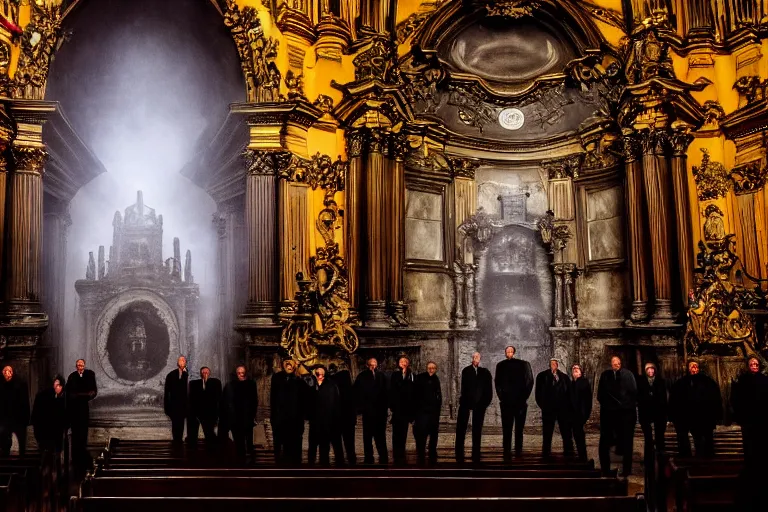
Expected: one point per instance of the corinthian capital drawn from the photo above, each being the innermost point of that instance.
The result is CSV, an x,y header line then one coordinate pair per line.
x,y
30,159
264,163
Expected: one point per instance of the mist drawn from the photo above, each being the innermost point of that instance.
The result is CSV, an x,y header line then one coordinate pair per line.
x,y
145,84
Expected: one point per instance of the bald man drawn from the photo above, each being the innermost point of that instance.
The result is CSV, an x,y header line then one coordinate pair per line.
x,y
81,389
175,401
476,396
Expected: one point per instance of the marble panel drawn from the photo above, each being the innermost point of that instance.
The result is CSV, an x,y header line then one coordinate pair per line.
x,y
424,226
429,296
605,239
601,298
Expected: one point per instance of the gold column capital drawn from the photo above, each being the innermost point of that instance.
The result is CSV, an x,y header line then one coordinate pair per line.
x,y
680,138
29,159
356,139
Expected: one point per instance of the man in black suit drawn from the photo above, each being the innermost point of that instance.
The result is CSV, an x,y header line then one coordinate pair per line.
x,y
348,422
175,401
204,397
371,391
476,396
81,389
695,406
580,395
288,398
240,404
14,412
617,394
428,404
401,384
552,388
652,407
514,383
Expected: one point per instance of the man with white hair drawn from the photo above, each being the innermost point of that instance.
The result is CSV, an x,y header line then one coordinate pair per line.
x,y
476,396
552,387
175,398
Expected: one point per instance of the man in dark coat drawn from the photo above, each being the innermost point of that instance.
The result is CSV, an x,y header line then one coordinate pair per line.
x,y
287,400
348,414
81,389
241,400
429,404
552,388
204,398
14,412
617,394
401,384
371,392
695,406
580,397
476,395
325,415
49,416
176,396
514,383
652,407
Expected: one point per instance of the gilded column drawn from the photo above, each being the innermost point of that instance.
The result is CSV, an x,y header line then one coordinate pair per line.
x,y
354,214
395,219
261,227
376,208
656,174
293,236
680,140
637,247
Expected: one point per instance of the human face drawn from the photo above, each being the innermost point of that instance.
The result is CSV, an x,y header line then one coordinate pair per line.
x,y
372,364
181,362
288,366
57,387
8,373
615,363
205,373
509,352
754,365
650,371
320,375
476,359
431,369
80,365
240,372
553,366
576,372
403,363
693,368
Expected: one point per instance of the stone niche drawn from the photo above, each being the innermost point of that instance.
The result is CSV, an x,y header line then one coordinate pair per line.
x,y
139,312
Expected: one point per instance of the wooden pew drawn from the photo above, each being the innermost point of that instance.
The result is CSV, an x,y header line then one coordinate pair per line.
x,y
350,487
10,493
288,504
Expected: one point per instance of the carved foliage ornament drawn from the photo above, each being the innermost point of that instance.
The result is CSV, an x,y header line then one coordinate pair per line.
x,y
263,162
561,168
749,177
554,236
29,158
511,8
375,62
463,167
319,171
712,179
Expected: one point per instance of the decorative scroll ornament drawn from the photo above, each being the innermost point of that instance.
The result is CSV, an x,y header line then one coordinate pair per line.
x,y
712,178
375,62
749,177
647,56
413,23
318,327
478,228
554,236
41,37
257,53
513,9
716,316
319,171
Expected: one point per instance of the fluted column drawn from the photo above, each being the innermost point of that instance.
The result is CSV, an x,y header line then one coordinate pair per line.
x,y
293,236
376,208
261,227
56,224
395,218
354,214
656,174
637,247
680,141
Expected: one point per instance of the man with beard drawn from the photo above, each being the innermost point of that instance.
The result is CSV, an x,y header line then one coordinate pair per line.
x,y
175,402
617,394
348,414
325,414
287,399
204,397
429,404
580,397
552,387
14,412
242,402
514,383
81,389
476,396
652,407
695,406
371,391
401,404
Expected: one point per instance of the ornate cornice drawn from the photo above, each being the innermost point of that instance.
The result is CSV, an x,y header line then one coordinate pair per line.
x,y
712,178
749,177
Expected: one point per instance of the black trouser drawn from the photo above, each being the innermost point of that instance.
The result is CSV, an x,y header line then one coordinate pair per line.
x,y
580,439
193,428
287,442
375,429
177,427
548,419
512,416
703,440
426,425
242,434
80,456
399,437
658,426
478,418
617,427
320,439
348,436
6,441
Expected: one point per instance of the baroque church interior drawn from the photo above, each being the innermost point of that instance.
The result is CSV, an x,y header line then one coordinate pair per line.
x,y
333,180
